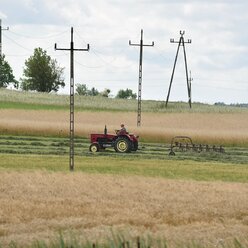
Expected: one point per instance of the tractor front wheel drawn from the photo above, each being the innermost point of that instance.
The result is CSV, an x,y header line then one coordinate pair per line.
x,y
94,147
122,145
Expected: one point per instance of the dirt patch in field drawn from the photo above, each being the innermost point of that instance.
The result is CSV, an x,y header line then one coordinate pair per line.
x,y
218,128
37,205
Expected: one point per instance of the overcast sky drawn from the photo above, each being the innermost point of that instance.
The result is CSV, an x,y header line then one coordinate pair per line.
x,y
217,56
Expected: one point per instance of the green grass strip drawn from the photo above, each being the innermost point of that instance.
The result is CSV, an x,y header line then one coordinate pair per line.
x,y
122,165
31,106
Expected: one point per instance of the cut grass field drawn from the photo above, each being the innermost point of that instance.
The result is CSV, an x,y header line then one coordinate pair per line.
x,y
36,145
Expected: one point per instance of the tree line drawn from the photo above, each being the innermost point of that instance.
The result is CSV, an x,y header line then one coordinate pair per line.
x,y
41,73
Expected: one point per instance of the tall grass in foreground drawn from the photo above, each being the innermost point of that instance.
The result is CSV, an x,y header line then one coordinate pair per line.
x,y
120,241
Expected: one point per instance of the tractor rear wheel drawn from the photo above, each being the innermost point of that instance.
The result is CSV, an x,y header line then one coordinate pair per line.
x,y
135,146
122,145
94,147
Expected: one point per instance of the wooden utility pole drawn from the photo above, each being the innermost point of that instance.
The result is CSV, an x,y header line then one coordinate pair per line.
x,y
72,49
141,45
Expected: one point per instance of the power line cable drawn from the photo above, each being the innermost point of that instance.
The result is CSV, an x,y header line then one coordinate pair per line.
x,y
98,55
27,49
39,37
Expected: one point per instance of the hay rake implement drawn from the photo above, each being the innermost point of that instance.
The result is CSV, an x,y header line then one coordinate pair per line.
x,y
185,143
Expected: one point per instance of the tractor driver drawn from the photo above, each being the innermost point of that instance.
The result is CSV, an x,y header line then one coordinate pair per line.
x,y
123,130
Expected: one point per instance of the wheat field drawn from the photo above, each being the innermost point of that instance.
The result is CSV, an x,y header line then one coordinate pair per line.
x,y
37,205
219,128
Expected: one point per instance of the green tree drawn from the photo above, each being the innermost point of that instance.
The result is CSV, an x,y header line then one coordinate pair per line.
x,y
6,74
126,94
81,89
105,93
42,73
93,92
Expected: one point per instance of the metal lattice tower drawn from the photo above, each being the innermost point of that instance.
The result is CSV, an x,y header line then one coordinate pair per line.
x,y
141,45
181,42
72,49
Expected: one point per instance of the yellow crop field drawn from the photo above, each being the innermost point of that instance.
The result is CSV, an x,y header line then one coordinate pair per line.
x,y
36,205
219,128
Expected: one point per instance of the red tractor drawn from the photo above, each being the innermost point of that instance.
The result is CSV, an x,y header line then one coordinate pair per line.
x,y
121,141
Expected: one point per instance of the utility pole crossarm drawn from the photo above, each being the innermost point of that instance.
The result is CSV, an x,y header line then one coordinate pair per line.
x,y
71,49
173,41
132,44
61,49
84,49
68,49
150,45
